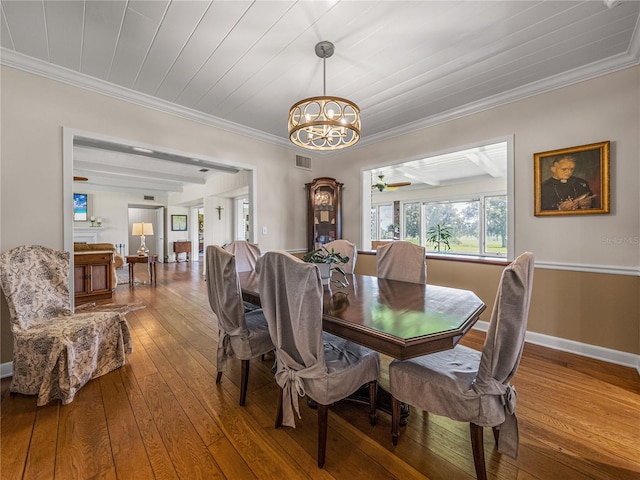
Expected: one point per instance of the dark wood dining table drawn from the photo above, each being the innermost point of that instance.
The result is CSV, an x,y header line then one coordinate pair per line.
x,y
399,319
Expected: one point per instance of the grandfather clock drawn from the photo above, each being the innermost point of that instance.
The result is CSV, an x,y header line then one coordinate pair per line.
x,y
324,216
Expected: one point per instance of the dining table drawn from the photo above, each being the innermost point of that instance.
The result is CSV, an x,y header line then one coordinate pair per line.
x,y
400,319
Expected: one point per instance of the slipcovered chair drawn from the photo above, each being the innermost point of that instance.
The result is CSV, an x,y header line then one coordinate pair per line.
x,y
469,386
346,249
402,261
242,335
57,351
309,362
247,254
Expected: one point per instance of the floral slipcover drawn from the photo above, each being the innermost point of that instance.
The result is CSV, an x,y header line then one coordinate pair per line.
x,y
57,351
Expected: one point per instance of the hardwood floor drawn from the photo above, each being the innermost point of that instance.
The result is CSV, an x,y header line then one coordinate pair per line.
x,y
163,417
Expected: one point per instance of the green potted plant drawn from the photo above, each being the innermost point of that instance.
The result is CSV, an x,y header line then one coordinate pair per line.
x,y
327,261
439,235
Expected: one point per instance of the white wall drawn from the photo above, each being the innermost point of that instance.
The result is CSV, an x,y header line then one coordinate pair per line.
x,y
34,111
606,108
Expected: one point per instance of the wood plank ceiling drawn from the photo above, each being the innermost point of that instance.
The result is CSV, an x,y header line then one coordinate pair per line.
x,y
244,63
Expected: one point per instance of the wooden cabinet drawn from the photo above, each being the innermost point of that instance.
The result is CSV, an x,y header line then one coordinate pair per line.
x,y
182,247
92,276
324,222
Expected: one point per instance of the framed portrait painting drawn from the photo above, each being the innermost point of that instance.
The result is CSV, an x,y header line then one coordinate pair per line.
x,y
572,181
179,223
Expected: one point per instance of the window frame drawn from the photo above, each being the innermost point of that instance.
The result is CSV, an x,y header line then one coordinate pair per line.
x,y
368,204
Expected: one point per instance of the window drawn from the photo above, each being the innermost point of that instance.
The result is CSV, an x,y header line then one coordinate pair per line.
x,y
411,231
466,189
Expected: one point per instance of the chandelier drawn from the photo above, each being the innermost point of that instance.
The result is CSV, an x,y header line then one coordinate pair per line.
x,y
324,123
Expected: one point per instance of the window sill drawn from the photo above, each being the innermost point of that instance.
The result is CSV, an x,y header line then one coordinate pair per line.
x,y
455,258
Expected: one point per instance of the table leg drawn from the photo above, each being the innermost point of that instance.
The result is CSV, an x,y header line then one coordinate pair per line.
x,y
153,274
131,274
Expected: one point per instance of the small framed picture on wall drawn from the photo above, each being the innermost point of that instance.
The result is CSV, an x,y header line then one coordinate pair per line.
x,y
179,223
572,181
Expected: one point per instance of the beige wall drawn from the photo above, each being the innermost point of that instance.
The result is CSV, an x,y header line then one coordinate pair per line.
x,y
590,308
566,303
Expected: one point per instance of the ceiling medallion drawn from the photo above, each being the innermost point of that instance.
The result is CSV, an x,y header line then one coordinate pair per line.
x,y
324,123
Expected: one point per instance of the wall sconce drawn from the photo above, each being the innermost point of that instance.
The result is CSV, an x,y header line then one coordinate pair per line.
x,y
142,229
219,208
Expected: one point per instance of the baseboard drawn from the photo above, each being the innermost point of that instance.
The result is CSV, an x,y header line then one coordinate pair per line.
x,y
6,369
571,346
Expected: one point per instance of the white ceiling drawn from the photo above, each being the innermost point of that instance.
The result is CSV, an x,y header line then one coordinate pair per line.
x,y
242,64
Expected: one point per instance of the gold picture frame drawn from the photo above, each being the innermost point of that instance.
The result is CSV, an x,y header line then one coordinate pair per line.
x,y
572,181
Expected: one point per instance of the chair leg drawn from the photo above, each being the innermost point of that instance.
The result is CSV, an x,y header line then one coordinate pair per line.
x,y
496,434
477,445
279,411
323,414
219,377
244,381
395,420
373,399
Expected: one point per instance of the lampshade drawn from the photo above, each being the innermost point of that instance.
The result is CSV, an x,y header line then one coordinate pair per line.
x,y
142,228
324,123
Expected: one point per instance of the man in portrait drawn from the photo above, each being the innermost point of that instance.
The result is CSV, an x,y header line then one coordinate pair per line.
x,y
564,191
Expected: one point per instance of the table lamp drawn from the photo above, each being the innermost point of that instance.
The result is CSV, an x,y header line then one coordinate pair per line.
x,y
142,229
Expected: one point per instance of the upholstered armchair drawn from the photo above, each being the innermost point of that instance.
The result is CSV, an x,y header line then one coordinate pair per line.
x,y
56,351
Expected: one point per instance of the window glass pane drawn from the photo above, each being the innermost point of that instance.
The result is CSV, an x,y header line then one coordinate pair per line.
x,y
386,222
496,225
411,215
462,218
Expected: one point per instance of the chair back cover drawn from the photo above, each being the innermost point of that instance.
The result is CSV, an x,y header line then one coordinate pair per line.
x,y
39,274
504,343
402,261
291,294
346,249
225,298
247,254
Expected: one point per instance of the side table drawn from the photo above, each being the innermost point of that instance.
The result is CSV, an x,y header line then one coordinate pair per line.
x,y
151,259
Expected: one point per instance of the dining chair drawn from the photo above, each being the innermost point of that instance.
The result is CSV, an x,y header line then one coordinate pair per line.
x,y
471,386
243,335
346,249
57,350
247,254
309,361
403,261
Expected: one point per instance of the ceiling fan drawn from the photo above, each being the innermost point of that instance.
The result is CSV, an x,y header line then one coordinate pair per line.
x,y
381,185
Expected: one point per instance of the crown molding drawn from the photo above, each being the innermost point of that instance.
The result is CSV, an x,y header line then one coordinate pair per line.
x,y
613,64
610,65
54,72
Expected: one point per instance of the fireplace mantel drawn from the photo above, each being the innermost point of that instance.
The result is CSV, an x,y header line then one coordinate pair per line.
x,y
86,234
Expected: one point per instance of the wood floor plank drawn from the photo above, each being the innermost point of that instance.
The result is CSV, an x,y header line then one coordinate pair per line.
x,y
42,460
162,416
127,445
16,428
84,448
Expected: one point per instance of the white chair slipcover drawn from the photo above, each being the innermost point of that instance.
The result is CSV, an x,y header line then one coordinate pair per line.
x,y
309,362
346,249
57,351
247,254
242,335
469,386
402,261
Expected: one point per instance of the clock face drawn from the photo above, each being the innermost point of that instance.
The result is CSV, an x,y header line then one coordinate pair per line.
x,y
323,197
